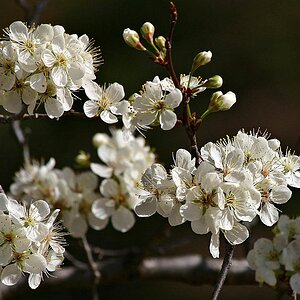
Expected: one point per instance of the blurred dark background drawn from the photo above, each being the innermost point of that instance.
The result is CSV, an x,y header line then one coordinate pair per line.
x,y
256,50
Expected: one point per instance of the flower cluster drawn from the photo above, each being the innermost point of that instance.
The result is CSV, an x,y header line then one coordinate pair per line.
x,y
72,193
30,241
44,65
237,180
124,160
278,259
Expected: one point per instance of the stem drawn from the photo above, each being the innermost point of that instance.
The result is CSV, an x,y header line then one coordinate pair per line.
x,y
93,267
227,261
169,41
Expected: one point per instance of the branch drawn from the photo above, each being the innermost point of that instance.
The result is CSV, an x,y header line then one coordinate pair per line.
x,y
169,41
5,119
227,262
191,269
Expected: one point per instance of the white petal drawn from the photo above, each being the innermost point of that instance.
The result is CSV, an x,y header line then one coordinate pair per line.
x,y
35,264
269,214
90,108
167,119
122,219
101,170
108,117
34,280
214,245
12,102
48,58
76,71
200,226
115,92
40,209
29,95
237,235
10,275
96,223
101,210
3,201
173,99
59,76
38,82
191,211
147,207
295,283
54,108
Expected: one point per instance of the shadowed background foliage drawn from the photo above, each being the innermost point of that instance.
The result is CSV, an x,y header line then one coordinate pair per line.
x,y
256,49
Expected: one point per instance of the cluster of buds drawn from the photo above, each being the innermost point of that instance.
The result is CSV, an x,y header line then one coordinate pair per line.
x,y
158,44
237,180
277,261
30,241
44,65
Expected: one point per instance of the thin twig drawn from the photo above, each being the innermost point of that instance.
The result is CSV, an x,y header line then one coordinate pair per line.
x,y
93,266
227,261
36,11
22,139
32,14
169,41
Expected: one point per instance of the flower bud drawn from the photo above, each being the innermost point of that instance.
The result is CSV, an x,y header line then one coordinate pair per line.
x,y
147,31
160,42
201,59
221,102
132,39
214,82
83,159
100,139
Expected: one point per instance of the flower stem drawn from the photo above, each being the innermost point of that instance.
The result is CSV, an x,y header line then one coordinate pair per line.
x,y
224,270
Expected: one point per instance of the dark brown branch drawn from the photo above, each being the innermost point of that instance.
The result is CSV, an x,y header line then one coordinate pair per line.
x,y
227,262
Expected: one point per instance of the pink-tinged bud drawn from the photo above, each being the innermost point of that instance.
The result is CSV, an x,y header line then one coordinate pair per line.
x,y
221,102
201,59
147,31
132,39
